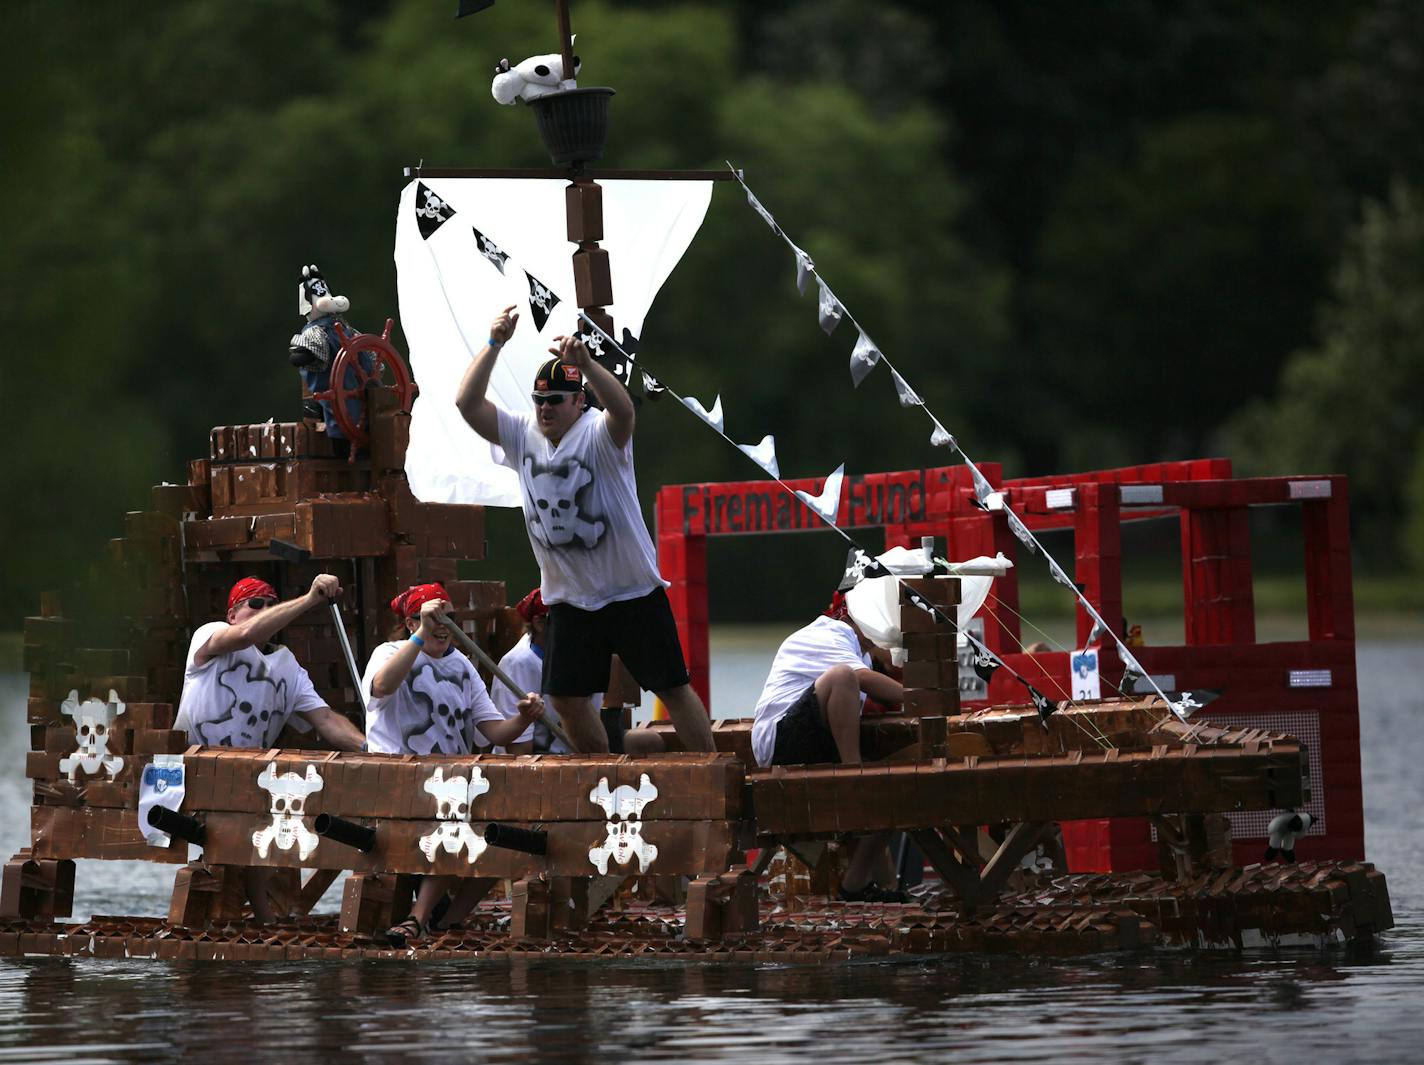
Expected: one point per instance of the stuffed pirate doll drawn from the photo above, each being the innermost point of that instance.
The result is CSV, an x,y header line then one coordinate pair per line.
x,y
313,349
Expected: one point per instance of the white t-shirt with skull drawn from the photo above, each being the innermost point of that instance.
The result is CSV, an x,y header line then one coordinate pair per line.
x,y
242,698
581,510
435,710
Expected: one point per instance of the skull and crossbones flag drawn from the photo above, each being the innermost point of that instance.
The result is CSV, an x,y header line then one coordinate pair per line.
x,y
607,354
541,302
829,309
1042,703
941,437
490,250
431,212
859,567
863,358
652,387
1184,704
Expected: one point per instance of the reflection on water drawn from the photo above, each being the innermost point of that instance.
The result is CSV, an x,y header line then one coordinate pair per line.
x,y
1164,1006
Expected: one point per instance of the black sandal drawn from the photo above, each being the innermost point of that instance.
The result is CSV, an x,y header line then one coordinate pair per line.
x,y
403,934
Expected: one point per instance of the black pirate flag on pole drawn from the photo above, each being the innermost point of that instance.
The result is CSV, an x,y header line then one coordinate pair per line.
x,y
607,354
541,301
431,212
490,250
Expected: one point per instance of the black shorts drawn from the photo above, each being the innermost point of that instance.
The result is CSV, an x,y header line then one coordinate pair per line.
x,y
580,643
802,735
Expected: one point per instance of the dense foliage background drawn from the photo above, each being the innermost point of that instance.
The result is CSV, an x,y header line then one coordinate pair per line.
x,y
1092,234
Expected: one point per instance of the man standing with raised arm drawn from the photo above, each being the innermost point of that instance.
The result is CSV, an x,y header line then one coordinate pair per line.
x,y
598,569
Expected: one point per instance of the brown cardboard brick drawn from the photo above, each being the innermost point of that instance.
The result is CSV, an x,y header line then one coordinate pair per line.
x,y
941,591
931,674
342,526
914,619
216,533
180,500
938,701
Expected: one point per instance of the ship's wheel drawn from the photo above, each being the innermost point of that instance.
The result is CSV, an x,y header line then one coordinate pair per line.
x,y
350,379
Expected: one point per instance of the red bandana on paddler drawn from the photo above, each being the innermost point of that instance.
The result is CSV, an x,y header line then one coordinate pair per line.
x,y
409,602
532,606
249,588
838,611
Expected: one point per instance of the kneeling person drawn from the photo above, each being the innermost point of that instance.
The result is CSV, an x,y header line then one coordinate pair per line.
x,y
809,713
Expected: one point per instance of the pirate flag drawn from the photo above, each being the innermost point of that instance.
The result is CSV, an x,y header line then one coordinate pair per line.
x,y
1041,703
941,437
829,309
984,663
1184,704
607,354
652,387
490,250
1019,529
541,302
859,567
908,397
863,358
431,212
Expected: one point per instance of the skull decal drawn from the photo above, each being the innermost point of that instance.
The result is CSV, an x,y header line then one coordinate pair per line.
x,y
255,710
554,519
625,836
443,699
92,721
453,798
289,798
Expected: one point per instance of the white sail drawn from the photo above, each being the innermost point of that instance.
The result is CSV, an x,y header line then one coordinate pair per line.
x,y
449,292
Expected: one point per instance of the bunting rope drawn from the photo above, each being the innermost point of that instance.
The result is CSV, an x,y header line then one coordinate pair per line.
x,y
865,356
435,211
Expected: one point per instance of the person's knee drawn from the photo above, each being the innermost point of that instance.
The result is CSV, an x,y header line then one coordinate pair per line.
x,y
836,679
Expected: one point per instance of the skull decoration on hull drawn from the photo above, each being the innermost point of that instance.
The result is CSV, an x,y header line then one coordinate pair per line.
x,y
454,797
289,797
92,721
624,807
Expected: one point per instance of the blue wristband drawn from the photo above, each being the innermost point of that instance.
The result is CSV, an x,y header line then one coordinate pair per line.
x,y
415,639
492,342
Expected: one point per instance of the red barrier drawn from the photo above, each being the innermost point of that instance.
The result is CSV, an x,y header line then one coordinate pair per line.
x,y
1306,688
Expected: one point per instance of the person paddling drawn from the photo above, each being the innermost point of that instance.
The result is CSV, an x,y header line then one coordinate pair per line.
x,y
598,569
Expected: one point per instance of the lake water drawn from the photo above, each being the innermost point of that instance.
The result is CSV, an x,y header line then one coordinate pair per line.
x,y
1165,1006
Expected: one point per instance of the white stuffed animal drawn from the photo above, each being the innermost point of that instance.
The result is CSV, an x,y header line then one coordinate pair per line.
x,y
537,76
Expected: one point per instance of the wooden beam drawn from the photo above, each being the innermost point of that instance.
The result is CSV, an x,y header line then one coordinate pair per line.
x,y
566,174
963,879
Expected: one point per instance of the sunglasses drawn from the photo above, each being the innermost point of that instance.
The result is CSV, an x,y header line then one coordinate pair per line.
x,y
552,401
258,603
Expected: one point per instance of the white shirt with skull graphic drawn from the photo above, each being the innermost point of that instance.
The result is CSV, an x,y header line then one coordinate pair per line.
x,y
581,511
242,698
435,710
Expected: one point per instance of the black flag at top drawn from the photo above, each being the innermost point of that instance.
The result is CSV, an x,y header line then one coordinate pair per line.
x,y
431,212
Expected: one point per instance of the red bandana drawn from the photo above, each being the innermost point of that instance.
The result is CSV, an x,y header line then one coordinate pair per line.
x,y
532,606
249,588
837,610
409,602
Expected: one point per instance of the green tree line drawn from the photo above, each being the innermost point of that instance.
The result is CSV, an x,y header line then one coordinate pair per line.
x,y
1089,234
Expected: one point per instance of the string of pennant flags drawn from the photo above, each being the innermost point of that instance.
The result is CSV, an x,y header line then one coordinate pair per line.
x,y
864,357
433,212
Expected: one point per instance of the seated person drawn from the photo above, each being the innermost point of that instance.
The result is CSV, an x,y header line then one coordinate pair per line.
x,y
424,697
239,689
524,664
809,713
